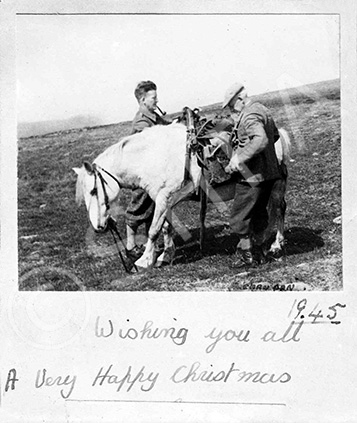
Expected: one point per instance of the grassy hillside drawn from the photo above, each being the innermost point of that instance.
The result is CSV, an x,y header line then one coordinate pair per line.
x,y
30,129
58,250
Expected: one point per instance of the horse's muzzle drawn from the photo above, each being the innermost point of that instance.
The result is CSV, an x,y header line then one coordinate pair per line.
x,y
101,229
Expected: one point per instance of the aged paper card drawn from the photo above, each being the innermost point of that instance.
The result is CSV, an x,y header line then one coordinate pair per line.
x,y
81,340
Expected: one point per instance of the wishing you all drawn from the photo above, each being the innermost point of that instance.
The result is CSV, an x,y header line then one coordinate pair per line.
x,y
143,379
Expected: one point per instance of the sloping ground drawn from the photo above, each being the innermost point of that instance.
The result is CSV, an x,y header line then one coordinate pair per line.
x,y
59,251
30,129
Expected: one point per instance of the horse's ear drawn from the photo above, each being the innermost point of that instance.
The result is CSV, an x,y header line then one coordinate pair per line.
x,y
77,170
88,167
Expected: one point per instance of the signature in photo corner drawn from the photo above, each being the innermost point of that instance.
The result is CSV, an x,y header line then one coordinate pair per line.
x,y
265,286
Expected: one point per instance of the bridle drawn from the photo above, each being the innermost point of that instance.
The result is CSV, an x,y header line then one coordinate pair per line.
x,y
98,175
110,223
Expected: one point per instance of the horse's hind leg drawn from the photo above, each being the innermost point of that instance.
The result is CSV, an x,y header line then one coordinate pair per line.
x,y
278,243
203,211
278,208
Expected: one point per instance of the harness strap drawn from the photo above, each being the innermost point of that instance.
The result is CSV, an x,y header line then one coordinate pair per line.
x,y
113,229
104,182
112,176
234,133
191,137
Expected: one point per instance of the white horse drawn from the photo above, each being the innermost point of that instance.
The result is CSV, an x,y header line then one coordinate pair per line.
x,y
154,160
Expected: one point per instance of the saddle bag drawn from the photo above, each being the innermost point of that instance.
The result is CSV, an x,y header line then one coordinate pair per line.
x,y
216,160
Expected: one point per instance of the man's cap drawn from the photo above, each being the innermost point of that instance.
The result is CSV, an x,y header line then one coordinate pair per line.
x,y
231,92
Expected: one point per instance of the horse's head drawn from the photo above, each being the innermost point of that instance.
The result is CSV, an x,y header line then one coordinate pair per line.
x,y
98,188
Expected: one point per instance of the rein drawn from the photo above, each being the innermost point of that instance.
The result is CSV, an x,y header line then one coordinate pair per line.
x,y
114,230
111,223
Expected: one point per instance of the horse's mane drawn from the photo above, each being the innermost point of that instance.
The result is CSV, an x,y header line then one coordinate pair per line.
x,y
114,152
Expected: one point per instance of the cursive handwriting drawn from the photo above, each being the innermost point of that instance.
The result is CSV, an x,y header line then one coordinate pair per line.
x,y
43,380
229,335
195,373
129,379
272,336
106,329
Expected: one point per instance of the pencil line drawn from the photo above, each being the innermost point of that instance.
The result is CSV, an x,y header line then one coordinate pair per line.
x,y
179,402
171,14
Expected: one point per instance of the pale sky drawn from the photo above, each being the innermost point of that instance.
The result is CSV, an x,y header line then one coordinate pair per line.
x,y
72,65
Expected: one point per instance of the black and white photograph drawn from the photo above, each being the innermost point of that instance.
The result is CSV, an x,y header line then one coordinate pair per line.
x,y
177,211
168,152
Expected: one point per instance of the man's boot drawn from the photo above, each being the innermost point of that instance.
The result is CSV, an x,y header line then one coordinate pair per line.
x,y
244,255
243,258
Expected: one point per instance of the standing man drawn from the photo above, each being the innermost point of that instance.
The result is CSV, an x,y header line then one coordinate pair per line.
x,y
141,207
256,167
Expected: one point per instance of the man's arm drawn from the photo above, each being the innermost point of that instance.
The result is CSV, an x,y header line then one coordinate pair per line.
x,y
160,120
258,140
139,125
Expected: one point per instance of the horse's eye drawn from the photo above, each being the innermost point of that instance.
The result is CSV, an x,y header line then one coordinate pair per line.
x,y
94,191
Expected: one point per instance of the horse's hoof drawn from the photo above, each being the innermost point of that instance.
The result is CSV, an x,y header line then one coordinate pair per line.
x,y
162,263
165,259
144,263
140,269
141,264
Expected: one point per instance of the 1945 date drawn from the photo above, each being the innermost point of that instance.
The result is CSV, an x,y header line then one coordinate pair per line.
x,y
303,310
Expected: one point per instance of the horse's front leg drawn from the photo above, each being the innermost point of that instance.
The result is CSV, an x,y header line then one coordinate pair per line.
x,y
147,259
167,256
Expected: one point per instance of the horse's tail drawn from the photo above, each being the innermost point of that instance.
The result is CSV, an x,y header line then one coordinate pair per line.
x,y
285,146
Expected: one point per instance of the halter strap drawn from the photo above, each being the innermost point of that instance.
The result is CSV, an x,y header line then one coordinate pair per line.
x,y
97,173
108,173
